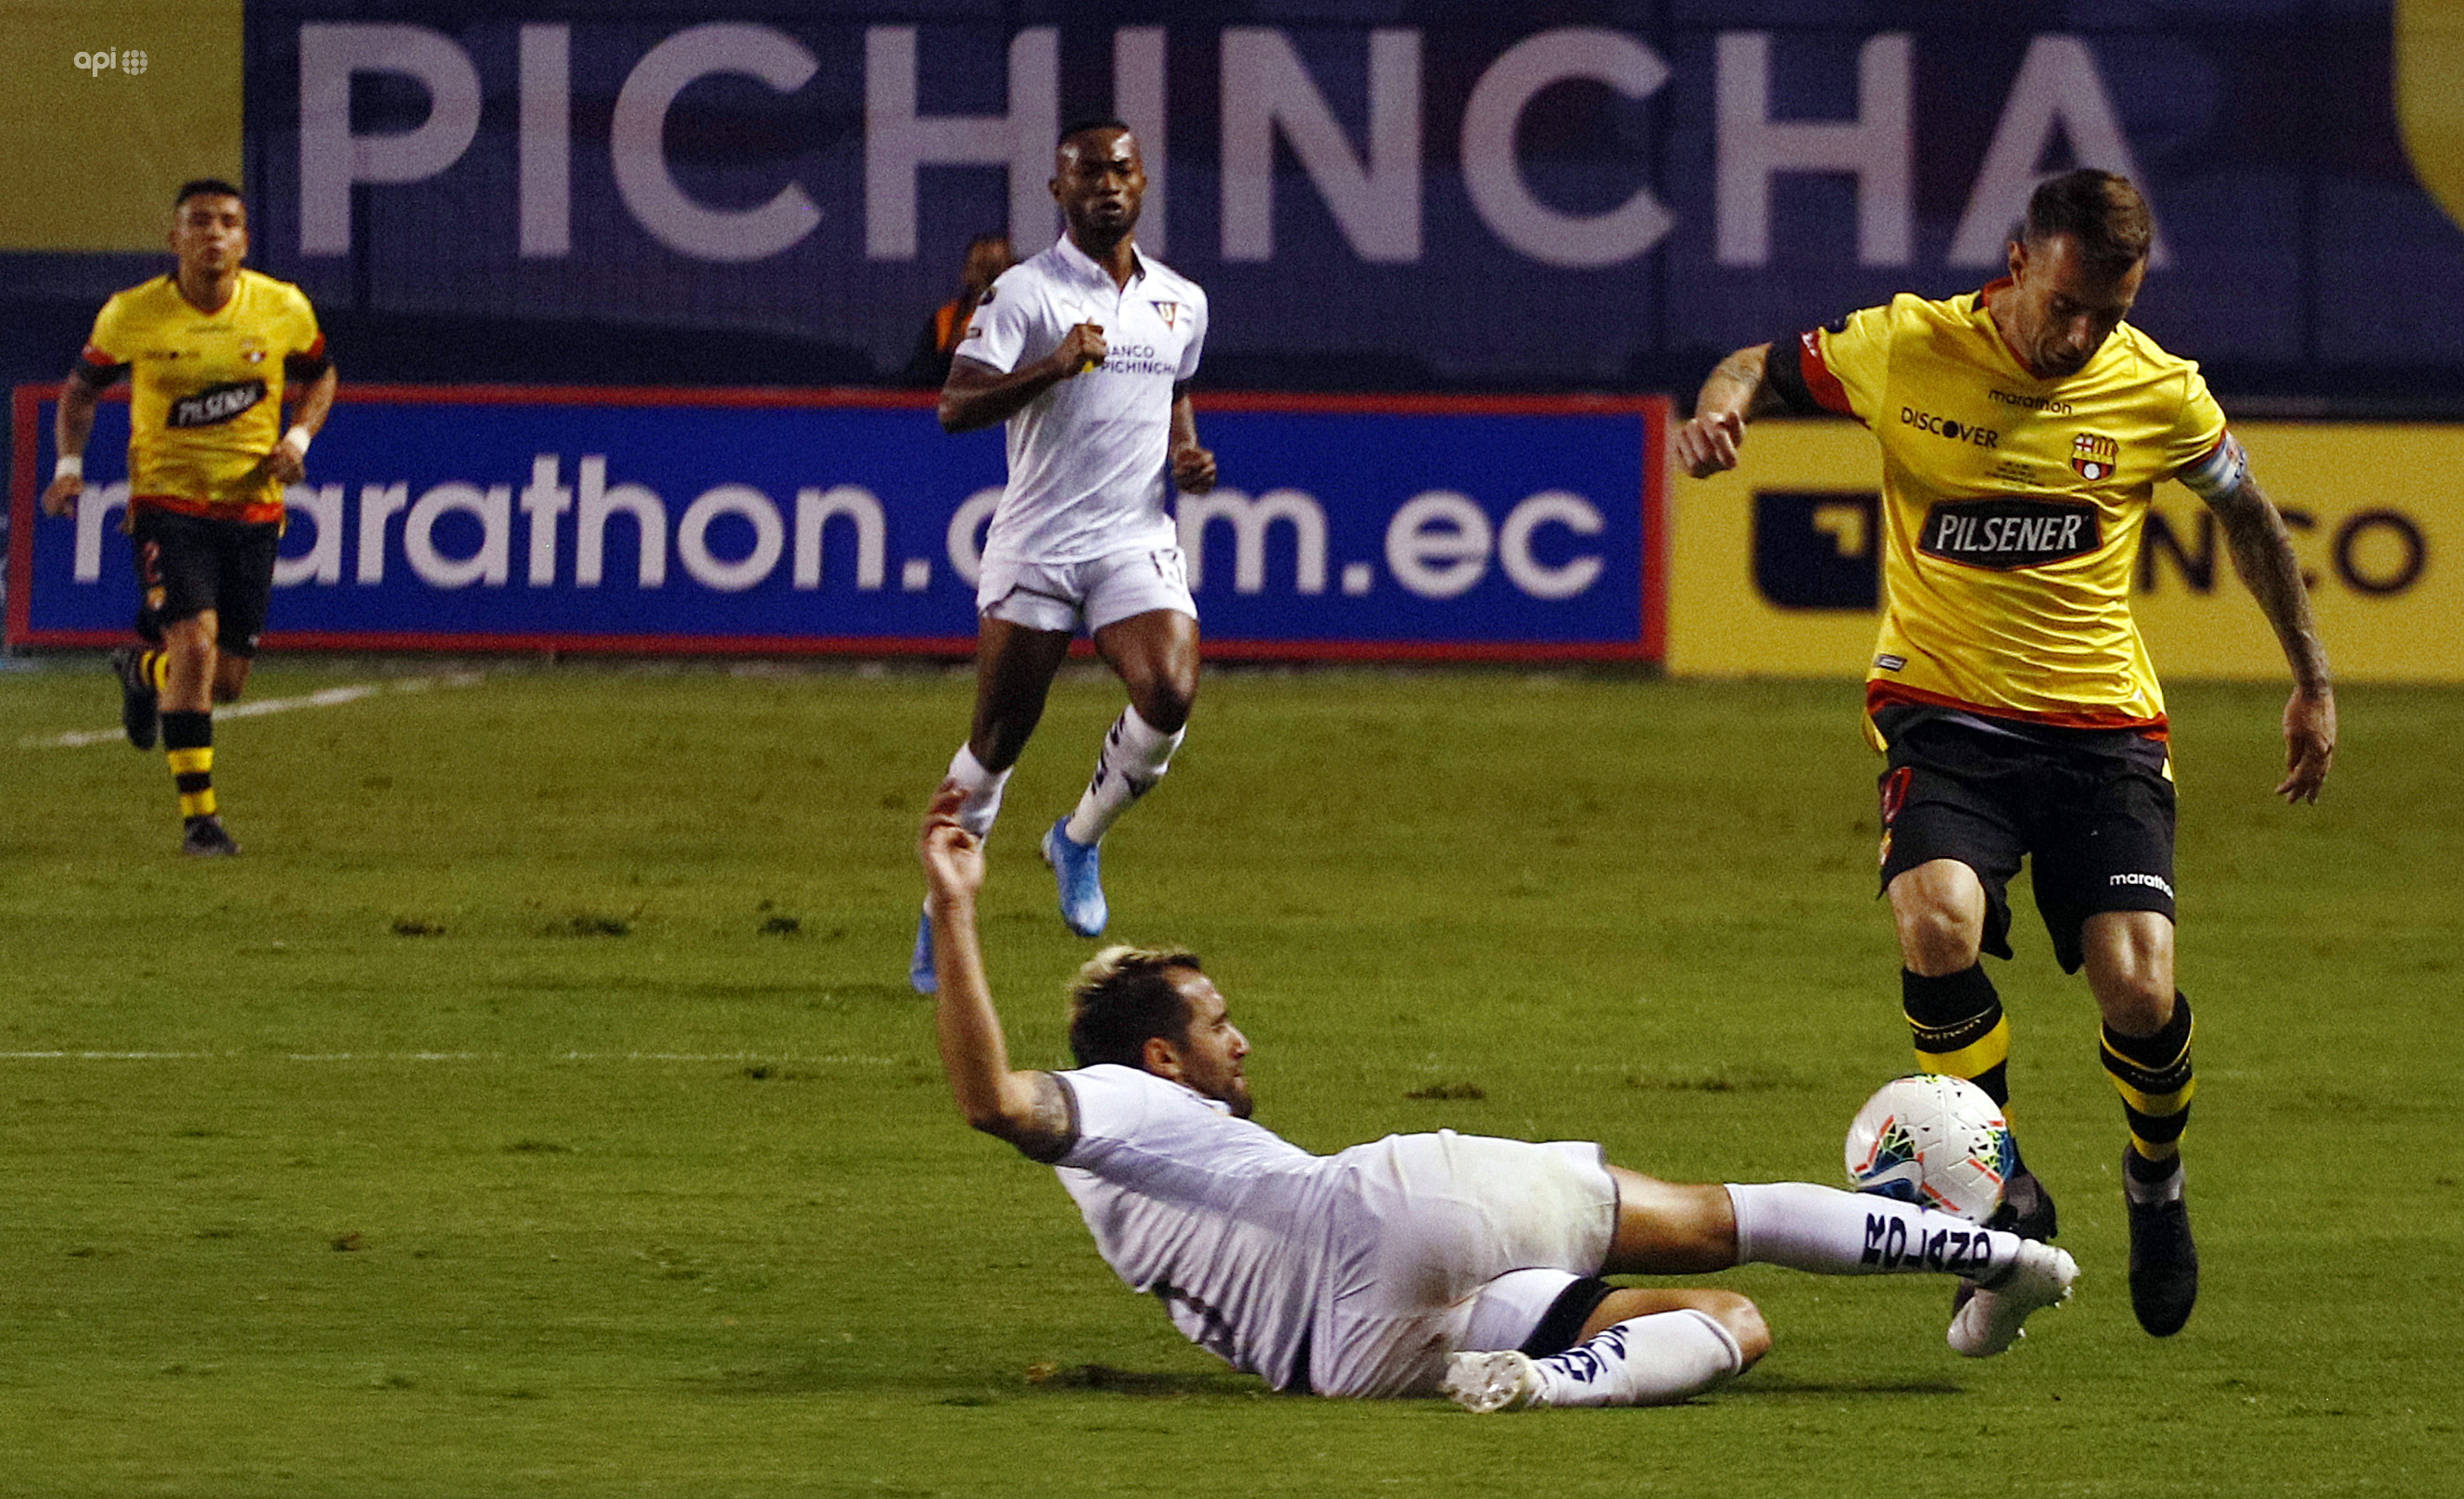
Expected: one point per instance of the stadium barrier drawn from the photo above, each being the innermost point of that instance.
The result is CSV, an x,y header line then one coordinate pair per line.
x,y
846,522
1774,567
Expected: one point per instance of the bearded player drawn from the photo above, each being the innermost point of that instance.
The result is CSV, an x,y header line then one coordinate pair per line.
x,y
2023,429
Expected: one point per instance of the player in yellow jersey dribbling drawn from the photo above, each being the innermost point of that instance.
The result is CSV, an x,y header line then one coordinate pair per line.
x,y
211,351
2023,429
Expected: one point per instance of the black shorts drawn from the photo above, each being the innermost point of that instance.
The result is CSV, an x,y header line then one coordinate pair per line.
x,y
187,564
2092,808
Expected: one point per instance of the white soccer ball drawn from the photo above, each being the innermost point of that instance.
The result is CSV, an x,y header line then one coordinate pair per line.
x,y
1935,1140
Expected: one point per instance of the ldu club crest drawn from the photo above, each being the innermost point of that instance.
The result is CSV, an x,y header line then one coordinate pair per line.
x,y
2094,456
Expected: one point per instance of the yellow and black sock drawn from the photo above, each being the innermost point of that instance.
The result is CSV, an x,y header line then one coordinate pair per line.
x,y
155,666
1957,1022
188,743
2152,1073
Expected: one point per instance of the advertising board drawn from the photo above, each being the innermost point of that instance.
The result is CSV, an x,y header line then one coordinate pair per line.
x,y
795,521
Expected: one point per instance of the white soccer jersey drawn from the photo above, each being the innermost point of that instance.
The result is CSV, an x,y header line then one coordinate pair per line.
x,y
1223,1221
1090,459
1350,1275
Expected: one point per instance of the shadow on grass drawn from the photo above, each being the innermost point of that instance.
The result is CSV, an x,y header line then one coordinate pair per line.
x,y
826,1376
1781,1386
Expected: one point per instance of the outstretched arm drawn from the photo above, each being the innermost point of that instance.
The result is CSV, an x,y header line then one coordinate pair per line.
x,y
2262,554
1029,1110
1738,392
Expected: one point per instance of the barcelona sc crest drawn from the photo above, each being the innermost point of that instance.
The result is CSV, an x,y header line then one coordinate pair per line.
x,y
2094,456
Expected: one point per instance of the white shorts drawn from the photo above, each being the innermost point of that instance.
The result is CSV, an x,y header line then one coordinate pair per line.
x,y
1438,1224
1099,591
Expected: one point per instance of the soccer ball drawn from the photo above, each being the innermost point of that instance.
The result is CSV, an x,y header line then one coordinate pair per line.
x,y
1935,1140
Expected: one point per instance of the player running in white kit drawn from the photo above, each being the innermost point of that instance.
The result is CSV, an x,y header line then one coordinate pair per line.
x,y
1086,351
1417,1264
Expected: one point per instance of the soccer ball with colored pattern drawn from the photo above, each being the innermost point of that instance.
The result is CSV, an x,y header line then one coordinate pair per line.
x,y
1935,1140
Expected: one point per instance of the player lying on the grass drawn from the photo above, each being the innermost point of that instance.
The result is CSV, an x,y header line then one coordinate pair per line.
x,y
1418,1263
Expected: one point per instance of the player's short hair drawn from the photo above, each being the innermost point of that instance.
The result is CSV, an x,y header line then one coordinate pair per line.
x,y
1124,995
205,188
2100,209
1078,127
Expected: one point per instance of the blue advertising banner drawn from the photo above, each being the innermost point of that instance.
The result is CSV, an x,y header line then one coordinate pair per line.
x,y
774,522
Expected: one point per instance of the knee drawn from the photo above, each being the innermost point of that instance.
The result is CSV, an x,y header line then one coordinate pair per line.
x,y
1164,703
1937,936
1743,1321
2139,1005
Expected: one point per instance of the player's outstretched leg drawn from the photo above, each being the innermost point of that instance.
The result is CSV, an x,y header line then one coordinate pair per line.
x,y
141,686
2154,1077
1829,1232
1649,1361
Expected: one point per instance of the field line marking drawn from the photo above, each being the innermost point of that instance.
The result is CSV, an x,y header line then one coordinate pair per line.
x,y
324,697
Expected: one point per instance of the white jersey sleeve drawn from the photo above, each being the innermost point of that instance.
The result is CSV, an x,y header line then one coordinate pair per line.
x,y
1190,351
1002,327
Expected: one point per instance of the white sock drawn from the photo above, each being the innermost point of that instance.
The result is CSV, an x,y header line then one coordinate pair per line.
x,y
1648,1360
983,788
1133,758
1825,1231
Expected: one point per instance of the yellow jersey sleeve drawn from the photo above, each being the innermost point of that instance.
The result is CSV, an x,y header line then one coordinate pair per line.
x,y
109,347
1848,365
2199,427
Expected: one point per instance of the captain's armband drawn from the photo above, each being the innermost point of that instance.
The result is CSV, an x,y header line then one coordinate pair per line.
x,y
2220,473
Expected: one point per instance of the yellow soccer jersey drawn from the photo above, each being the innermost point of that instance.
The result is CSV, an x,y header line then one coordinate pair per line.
x,y
205,399
2011,505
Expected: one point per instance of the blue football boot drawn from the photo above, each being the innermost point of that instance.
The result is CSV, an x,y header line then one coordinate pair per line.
x,y
920,965
1076,867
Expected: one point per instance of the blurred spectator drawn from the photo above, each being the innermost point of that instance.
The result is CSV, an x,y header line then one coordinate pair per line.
x,y
988,256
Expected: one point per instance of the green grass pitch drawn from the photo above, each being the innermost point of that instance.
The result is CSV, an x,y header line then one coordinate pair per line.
x,y
538,1108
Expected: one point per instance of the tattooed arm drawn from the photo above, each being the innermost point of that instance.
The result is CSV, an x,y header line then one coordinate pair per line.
x,y
1029,1110
1737,391
2262,554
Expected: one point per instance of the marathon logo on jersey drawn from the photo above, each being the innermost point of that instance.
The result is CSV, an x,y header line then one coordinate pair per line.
x,y
2094,456
2150,881
1889,1245
1950,427
2045,405
2006,534
216,404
